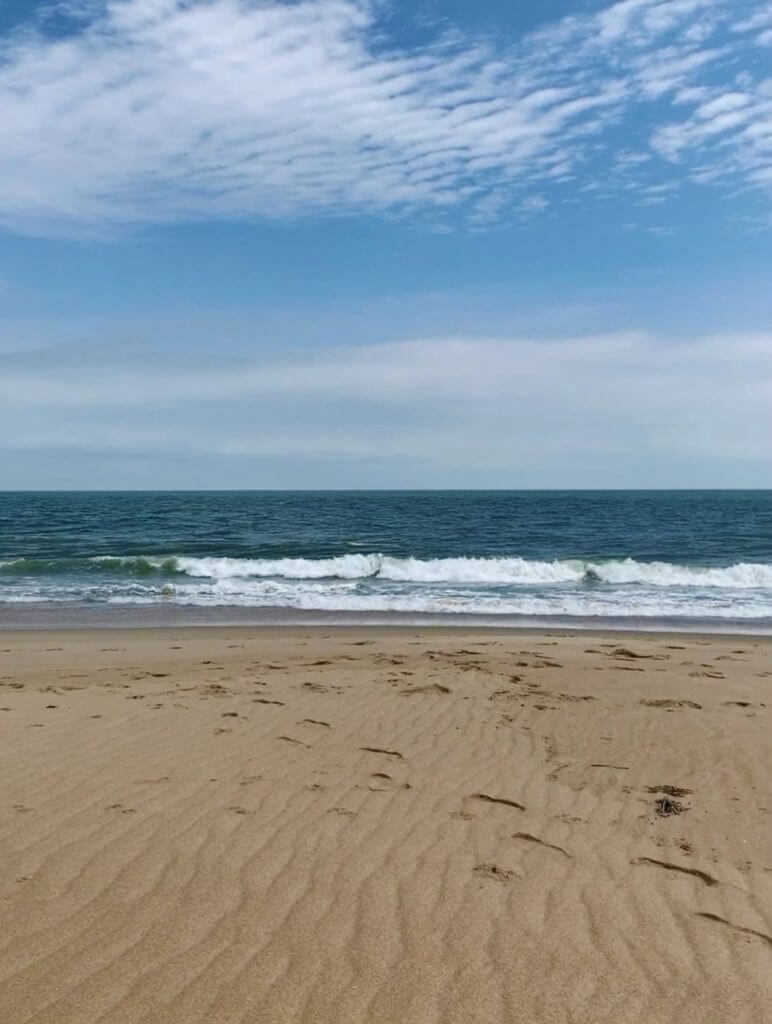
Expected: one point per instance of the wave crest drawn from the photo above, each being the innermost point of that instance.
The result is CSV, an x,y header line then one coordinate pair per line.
x,y
491,571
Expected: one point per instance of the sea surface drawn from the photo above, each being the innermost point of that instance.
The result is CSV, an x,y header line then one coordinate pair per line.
x,y
638,559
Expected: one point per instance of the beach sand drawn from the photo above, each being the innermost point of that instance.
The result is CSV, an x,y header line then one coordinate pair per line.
x,y
391,826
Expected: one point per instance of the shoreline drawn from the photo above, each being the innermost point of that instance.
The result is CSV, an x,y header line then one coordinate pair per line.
x,y
400,630
26,617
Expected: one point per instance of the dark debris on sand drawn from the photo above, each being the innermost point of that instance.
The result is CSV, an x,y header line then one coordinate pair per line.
x,y
666,806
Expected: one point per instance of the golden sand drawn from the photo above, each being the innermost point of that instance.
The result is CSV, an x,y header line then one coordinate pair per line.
x,y
384,826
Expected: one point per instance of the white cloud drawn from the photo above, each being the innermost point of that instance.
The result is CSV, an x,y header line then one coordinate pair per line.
x,y
157,110
454,405
761,18
670,68
731,132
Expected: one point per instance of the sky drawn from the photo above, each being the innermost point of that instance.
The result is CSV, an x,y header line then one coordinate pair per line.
x,y
361,243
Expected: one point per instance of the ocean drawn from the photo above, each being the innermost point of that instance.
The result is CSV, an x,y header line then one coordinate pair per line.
x,y
636,559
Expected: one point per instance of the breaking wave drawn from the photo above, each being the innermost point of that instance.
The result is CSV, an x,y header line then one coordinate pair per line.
x,y
495,571
516,586
512,571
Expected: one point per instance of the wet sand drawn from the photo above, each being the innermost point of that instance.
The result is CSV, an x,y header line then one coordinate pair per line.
x,y
412,826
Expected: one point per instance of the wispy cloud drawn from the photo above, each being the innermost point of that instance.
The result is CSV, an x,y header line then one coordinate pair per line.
x,y
150,111
729,131
759,22
503,410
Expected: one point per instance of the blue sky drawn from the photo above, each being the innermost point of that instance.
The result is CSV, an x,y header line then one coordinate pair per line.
x,y
344,243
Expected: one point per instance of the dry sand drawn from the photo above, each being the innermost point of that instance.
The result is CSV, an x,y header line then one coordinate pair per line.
x,y
403,826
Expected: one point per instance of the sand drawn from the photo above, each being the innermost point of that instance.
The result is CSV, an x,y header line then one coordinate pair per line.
x,y
403,826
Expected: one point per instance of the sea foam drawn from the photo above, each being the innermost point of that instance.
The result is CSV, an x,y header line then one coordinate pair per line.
x,y
496,571
376,582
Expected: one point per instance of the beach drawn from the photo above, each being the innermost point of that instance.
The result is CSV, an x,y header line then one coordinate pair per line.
x,y
401,826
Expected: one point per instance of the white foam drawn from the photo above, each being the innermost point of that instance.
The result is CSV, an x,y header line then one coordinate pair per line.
x,y
479,570
742,575
350,567
347,596
383,583
492,571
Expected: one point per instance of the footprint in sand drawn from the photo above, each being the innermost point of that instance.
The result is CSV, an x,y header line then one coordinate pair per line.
x,y
703,876
291,739
431,688
529,838
494,872
497,800
380,750
670,704
625,652
735,927
390,784
121,809
249,779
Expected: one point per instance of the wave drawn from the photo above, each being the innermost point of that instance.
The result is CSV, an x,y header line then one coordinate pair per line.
x,y
119,565
384,567
316,596
376,583
494,571
491,571
354,596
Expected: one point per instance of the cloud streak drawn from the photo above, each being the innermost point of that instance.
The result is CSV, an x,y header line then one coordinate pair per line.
x,y
153,111
622,408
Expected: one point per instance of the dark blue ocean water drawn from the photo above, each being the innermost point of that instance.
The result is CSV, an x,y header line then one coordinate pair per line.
x,y
638,558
